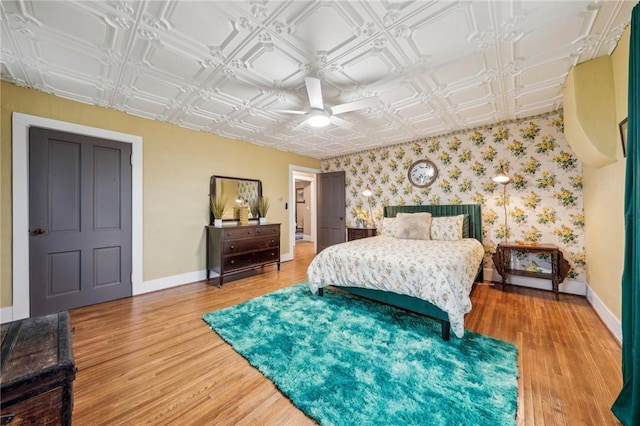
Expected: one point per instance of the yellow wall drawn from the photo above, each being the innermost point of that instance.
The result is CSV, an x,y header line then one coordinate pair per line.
x,y
589,111
604,200
177,165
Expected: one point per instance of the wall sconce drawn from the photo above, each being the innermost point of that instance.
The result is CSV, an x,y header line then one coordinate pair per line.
x,y
504,179
367,193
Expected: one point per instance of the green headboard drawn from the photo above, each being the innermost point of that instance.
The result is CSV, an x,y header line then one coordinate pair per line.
x,y
473,212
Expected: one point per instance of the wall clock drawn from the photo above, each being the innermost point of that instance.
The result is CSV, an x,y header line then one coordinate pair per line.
x,y
422,173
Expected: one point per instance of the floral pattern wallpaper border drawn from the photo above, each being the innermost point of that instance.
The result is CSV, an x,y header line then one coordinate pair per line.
x,y
544,200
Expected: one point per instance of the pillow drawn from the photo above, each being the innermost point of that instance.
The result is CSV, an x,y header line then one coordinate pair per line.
x,y
447,228
413,226
389,227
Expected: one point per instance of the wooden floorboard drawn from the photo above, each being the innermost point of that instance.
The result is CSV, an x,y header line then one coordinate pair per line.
x,y
150,359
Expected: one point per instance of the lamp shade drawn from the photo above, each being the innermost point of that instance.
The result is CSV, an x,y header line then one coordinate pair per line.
x,y
502,178
367,192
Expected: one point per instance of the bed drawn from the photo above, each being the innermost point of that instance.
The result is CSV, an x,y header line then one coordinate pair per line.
x,y
428,277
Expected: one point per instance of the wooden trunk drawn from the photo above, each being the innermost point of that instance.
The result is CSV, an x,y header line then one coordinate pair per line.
x,y
37,371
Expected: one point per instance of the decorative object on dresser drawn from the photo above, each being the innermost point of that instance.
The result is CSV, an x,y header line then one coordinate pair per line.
x,y
38,370
559,265
263,208
218,207
358,233
242,214
238,248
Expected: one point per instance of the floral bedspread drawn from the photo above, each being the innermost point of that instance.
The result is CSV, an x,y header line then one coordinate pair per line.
x,y
441,272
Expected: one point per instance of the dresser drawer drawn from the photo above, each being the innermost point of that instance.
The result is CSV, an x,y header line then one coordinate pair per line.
x,y
264,230
238,233
249,259
240,246
269,255
238,262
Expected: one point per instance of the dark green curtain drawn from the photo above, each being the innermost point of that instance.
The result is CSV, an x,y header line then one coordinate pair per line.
x,y
627,405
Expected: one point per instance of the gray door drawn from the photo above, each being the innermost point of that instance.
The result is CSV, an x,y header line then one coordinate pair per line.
x,y
331,209
79,220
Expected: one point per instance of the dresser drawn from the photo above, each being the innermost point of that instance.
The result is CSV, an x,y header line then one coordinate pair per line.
x,y
237,248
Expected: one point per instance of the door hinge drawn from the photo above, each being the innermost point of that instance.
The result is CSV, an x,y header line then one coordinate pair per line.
x,y
131,159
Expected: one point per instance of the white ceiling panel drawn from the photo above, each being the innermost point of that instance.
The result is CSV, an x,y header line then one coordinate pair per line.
x,y
224,67
166,59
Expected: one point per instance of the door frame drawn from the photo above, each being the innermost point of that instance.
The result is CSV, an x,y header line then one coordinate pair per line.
x,y
20,172
307,174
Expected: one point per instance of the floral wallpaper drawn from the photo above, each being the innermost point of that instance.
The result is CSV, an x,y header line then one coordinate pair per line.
x,y
543,201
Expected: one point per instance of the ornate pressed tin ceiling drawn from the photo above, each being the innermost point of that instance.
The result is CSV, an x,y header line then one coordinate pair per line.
x,y
224,67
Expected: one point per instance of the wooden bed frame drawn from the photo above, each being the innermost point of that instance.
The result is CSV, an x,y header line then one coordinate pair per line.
x,y
413,304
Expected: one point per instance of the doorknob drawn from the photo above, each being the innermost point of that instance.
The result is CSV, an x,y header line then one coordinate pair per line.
x,y
38,231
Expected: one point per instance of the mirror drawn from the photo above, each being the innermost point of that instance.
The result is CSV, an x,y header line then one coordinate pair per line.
x,y
235,191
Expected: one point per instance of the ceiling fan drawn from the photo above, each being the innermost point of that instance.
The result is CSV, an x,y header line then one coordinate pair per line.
x,y
320,116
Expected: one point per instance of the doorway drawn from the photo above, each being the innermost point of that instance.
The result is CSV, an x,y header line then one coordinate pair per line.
x,y
302,211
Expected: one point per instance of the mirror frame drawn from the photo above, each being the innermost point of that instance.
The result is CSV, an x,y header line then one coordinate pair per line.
x,y
212,193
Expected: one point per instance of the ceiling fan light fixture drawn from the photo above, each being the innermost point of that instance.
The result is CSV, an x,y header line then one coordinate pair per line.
x,y
318,118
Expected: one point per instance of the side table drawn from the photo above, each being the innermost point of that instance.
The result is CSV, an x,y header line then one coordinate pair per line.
x,y
357,233
559,265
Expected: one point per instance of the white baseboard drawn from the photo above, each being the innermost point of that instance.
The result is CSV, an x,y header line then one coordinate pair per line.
x,y
172,281
568,286
6,314
188,278
610,320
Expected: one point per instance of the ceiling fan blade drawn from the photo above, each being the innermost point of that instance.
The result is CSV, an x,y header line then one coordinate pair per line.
x,y
340,122
315,93
301,126
352,106
288,111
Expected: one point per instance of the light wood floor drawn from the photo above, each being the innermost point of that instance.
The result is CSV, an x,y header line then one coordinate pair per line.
x,y
150,359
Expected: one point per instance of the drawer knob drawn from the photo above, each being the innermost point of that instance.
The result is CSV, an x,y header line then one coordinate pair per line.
x,y
232,262
232,247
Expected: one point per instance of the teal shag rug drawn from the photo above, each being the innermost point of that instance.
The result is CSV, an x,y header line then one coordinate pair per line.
x,y
344,360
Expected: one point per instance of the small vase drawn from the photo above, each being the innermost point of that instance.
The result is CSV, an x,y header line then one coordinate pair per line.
x,y
262,220
217,222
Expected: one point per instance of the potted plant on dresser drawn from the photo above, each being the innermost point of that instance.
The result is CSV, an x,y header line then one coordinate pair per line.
x,y
218,207
263,208
253,208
